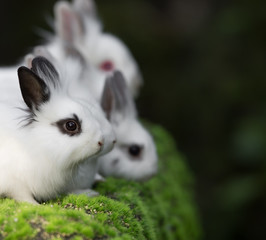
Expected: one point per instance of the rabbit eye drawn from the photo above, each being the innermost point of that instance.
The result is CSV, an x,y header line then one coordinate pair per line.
x,y
135,150
69,126
107,66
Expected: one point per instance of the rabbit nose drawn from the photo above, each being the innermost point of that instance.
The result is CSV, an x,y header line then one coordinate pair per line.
x,y
114,142
100,143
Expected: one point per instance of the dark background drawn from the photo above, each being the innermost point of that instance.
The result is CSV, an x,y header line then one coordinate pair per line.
x,y
203,64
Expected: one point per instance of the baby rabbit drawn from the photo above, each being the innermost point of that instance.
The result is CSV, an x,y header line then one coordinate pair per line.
x,y
134,156
45,138
78,25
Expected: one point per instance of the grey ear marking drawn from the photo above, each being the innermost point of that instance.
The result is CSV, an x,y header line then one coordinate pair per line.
x,y
116,97
120,89
123,98
33,89
45,70
107,101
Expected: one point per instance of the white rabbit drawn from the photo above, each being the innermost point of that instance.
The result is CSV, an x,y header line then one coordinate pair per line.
x,y
78,25
45,138
134,155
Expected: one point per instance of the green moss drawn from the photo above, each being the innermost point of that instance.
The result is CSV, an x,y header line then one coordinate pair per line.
x,y
162,208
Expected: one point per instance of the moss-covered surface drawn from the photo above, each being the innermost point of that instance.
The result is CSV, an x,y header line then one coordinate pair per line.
x,y
162,208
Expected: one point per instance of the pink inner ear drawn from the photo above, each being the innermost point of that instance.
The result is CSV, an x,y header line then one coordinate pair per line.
x,y
69,24
107,65
67,30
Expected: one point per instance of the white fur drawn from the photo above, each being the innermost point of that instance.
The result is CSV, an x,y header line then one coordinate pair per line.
x,y
127,128
119,162
129,132
93,45
93,81
79,25
37,161
10,88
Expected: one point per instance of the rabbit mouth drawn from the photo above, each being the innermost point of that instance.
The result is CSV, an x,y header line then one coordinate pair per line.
x,y
105,148
101,149
86,155
97,153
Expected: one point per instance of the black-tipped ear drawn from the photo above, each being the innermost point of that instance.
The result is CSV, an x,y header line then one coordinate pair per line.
x,y
123,99
116,98
121,91
33,89
45,70
107,101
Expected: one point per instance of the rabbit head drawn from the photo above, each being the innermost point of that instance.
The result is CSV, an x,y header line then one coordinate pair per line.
x,y
79,25
62,129
134,156
58,102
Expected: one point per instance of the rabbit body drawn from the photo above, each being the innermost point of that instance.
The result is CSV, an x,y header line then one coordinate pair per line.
x,y
40,152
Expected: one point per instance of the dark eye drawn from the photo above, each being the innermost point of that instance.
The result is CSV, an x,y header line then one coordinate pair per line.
x,y
135,150
69,126
107,66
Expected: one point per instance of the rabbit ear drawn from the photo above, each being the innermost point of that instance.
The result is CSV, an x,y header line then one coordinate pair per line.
x,y
120,87
69,26
116,98
33,89
123,98
86,7
108,98
28,60
45,70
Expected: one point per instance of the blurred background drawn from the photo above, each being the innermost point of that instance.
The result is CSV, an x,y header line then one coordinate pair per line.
x,y
203,64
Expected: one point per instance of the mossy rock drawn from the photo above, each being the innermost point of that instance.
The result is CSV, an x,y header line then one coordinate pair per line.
x,y
161,208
